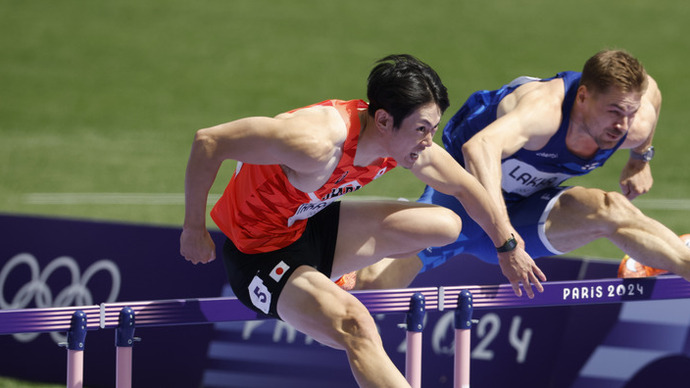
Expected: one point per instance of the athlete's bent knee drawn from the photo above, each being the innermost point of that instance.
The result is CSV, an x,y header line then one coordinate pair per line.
x,y
449,226
617,210
357,325
617,203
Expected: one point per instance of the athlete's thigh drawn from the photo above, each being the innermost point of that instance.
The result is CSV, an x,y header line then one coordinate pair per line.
x,y
472,239
573,221
371,230
530,217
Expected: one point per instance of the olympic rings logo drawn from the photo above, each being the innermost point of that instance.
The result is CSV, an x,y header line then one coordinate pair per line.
x,y
76,293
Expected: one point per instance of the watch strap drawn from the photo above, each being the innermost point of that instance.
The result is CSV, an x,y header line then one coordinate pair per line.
x,y
646,156
509,245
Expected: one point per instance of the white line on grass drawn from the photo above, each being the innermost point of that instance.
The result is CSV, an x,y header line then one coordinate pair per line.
x,y
108,198
178,199
663,204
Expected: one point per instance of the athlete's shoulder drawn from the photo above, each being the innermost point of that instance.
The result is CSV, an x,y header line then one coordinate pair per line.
x,y
531,96
321,120
646,117
653,94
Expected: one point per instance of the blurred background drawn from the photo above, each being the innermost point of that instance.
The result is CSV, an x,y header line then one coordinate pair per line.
x,y
99,101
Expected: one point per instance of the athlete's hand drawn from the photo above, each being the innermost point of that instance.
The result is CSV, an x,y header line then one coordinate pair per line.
x,y
636,178
196,245
519,267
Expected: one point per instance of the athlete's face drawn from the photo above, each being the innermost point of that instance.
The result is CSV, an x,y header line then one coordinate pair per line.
x,y
609,115
415,134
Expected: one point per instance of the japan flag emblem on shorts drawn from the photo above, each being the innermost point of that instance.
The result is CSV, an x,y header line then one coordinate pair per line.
x,y
279,270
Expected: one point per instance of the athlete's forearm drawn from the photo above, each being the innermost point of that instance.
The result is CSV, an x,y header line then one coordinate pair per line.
x,y
493,219
483,161
201,172
439,170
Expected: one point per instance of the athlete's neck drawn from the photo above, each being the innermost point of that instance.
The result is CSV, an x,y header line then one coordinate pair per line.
x,y
368,149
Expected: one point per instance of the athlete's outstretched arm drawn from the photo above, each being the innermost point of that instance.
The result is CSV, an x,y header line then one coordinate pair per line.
x,y
291,140
527,119
440,171
636,176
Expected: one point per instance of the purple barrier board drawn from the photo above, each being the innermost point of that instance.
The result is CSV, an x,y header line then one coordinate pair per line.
x,y
48,262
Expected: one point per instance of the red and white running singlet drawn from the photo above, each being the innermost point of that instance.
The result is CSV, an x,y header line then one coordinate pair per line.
x,y
260,211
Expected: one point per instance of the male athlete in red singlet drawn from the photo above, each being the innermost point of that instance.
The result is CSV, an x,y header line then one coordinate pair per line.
x,y
288,236
260,211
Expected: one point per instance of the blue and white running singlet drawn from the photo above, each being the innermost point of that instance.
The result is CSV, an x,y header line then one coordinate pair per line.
x,y
531,179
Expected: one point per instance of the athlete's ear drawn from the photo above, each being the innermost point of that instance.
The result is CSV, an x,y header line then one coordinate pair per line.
x,y
582,93
383,120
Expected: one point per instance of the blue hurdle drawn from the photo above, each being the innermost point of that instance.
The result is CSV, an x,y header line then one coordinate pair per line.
x,y
124,341
76,339
463,326
414,325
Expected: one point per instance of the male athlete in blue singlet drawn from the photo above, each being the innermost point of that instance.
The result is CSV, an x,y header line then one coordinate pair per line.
x,y
524,140
531,178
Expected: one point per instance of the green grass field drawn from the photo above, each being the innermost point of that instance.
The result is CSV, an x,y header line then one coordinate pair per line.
x,y
104,97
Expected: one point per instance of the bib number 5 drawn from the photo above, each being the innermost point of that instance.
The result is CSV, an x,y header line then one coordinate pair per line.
x,y
259,295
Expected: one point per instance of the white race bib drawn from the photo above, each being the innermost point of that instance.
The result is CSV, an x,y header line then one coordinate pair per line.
x,y
259,295
523,179
317,204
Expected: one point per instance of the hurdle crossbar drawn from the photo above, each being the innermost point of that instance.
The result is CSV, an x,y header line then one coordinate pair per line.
x,y
224,309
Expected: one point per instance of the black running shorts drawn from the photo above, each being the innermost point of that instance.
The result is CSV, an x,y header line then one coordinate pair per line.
x,y
257,279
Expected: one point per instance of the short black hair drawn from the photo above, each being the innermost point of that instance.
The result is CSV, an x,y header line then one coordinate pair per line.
x,y
399,84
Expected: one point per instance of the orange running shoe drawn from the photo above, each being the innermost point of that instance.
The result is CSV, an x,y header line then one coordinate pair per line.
x,y
347,282
631,268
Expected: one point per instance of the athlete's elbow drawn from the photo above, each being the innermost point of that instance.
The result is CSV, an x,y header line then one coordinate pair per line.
x,y
474,147
204,143
202,135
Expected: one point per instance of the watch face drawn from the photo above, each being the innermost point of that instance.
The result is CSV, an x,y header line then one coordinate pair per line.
x,y
646,156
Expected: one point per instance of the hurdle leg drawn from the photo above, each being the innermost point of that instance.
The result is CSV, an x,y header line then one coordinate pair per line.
x,y
123,366
75,368
463,326
413,355
75,350
124,342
